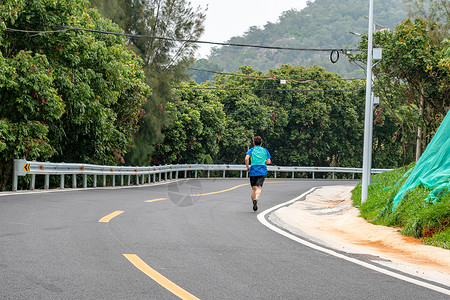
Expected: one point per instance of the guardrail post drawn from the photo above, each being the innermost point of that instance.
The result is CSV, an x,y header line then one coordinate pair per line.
x,y
195,173
185,173
176,174
114,180
240,176
46,182
121,179
15,182
313,175
15,179
137,179
353,175
104,180
154,177
129,180
32,182
61,181
332,176
84,180
223,173
293,176
275,174
159,177
74,181
209,173
95,180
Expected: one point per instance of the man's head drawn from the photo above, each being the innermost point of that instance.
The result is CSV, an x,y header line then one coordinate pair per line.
x,y
257,140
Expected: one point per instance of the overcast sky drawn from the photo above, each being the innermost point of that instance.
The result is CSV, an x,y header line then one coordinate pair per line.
x,y
228,18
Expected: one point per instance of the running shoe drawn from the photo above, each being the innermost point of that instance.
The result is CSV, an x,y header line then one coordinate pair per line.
x,y
255,205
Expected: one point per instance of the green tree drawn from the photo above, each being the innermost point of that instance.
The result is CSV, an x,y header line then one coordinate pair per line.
x,y
82,93
165,60
196,127
313,119
29,103
413,80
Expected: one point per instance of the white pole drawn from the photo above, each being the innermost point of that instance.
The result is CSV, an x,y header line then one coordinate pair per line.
x,y
367,114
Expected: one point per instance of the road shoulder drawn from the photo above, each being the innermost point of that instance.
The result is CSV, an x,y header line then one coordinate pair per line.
x,y
327,217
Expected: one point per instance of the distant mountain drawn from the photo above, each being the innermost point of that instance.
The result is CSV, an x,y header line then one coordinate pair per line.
x,y
322,24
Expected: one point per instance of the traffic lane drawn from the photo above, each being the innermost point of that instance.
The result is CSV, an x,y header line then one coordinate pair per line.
x,y
53,246
59,248
216,249
94,269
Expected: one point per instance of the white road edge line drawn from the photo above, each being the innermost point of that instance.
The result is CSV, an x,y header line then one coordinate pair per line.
x,y
262,218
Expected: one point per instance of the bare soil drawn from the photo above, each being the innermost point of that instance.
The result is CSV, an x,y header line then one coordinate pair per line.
x,y
328,217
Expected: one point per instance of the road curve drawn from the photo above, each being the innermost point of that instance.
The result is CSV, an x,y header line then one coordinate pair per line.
x,y
186,239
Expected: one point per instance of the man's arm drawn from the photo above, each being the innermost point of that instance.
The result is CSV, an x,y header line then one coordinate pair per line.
x,y
247,162
268,161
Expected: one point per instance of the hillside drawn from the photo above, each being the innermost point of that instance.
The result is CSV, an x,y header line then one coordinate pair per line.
x,y
322,24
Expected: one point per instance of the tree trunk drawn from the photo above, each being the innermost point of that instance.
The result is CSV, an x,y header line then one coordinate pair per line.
x,y
419,128
5,174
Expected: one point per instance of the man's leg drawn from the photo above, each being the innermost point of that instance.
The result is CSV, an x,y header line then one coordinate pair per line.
x,y
256,192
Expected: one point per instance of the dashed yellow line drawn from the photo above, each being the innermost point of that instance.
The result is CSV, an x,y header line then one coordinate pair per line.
x,y
157,199
107,218
160,279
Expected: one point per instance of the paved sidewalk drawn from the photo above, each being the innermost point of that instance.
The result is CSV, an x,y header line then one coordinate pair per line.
x,y
327,217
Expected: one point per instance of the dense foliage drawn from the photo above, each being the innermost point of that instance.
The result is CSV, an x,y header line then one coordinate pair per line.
x,y
314,119
412,79
322,24
80,96
165,60
65,95
197,119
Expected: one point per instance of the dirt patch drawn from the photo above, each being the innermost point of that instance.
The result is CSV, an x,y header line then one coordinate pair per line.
x,y
328,217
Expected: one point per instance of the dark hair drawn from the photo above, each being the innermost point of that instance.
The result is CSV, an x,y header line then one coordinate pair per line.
x,y
257,140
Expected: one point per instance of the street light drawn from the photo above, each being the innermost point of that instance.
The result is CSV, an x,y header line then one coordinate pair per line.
x,y
368,112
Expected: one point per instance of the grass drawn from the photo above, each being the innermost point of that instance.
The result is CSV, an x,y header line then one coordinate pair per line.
x,y
416,217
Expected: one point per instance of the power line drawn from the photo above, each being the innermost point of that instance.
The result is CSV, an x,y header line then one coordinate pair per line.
x,y
35,31
176,40
299,80
248,89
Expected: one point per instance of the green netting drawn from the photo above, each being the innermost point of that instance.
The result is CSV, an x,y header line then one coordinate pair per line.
x,y
432,170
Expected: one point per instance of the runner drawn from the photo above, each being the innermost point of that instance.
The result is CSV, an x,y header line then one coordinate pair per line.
x,y
256,160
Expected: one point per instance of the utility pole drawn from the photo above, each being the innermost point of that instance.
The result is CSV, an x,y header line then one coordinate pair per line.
x,y
368,111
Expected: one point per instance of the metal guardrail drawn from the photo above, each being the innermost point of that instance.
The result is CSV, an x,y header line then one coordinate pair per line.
x,y
23,168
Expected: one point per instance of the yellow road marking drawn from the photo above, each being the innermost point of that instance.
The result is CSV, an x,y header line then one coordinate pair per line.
x,y
160,279
107,218
222,191
153,200
235,187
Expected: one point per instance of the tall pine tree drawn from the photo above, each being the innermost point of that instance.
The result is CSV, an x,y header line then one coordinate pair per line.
x,y
166,60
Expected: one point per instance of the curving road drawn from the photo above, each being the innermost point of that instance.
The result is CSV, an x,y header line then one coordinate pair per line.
x,y
186,239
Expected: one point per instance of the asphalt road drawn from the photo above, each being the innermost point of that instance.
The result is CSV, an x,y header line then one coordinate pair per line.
x,y
195,238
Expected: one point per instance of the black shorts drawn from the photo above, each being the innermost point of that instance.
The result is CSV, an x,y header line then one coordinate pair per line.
x,y
257,180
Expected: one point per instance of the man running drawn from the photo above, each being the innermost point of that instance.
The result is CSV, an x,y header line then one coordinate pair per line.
x,y
256,161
